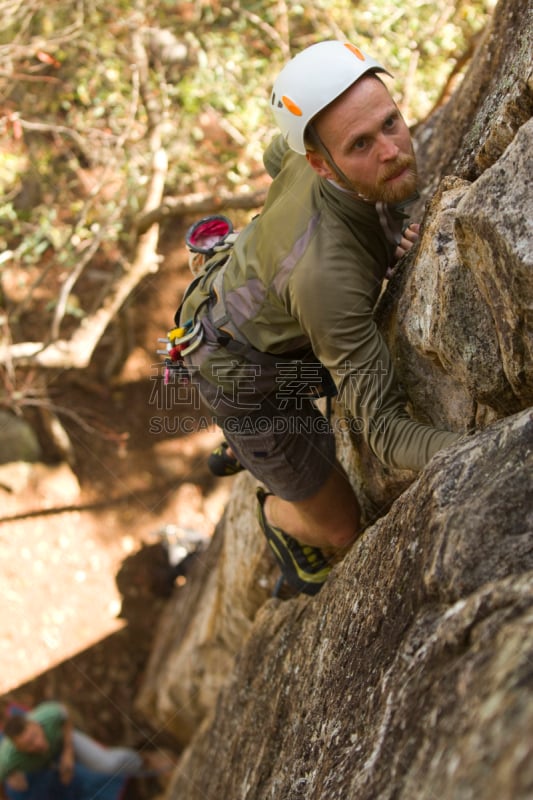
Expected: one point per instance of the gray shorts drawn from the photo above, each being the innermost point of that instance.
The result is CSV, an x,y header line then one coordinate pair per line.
x,y
284,442
291,450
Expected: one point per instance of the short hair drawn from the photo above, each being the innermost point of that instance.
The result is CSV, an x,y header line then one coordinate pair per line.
x,y
15,725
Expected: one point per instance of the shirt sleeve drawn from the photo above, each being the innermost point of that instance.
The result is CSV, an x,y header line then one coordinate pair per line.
x,y
335,309
274,155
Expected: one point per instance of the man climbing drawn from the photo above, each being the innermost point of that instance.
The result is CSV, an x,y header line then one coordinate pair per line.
x,y
45,739
286,315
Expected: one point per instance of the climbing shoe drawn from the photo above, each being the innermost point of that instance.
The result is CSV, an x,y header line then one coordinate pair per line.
x,y
221,463
305,568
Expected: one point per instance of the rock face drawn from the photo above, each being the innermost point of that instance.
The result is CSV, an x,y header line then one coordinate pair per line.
x,y
495,242
204,624
409,675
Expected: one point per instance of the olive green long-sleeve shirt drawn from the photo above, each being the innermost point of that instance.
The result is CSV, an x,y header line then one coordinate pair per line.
x,y
308,272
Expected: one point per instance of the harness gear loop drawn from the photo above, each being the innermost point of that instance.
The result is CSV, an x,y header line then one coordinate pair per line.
x,y
207,237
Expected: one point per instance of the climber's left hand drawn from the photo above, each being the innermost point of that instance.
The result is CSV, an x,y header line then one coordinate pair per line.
x,y
409,237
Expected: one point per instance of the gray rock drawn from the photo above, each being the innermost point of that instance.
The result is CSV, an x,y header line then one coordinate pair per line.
x,y
409,675
494,228
205,624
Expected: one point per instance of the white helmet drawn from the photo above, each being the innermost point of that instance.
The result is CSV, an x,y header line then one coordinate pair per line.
x,y
311,81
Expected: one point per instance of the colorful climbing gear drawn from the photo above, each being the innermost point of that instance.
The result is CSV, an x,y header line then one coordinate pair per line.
x,y
180,342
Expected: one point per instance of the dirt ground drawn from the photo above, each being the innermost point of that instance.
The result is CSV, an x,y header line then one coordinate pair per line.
x,y
84,574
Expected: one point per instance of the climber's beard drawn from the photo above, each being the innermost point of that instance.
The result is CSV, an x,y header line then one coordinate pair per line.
x,y
395,183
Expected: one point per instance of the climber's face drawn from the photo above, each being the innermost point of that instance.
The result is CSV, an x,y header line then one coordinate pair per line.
x,y
32,739
369,143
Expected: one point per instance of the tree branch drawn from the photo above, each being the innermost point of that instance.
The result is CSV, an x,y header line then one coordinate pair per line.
x,y
200,203
77,351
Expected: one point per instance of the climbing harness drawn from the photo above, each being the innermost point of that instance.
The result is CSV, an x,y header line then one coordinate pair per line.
x,y
206,239
210,240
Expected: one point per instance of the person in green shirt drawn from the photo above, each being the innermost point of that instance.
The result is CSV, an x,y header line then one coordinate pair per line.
x,y
287,313
46,738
